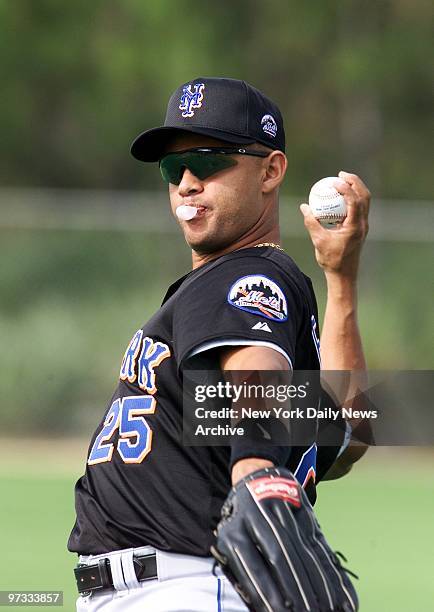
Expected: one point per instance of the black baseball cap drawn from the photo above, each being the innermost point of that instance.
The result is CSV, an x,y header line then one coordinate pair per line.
x,y
227,109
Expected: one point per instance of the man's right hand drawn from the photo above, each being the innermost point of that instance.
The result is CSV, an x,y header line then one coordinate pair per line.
x,y
337,251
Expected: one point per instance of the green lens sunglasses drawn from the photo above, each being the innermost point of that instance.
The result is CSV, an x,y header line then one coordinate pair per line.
x,y
202,162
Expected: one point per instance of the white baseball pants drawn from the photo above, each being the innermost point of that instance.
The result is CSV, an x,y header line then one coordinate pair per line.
x,y
185,584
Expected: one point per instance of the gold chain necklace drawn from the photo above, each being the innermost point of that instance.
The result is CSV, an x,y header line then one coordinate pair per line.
x,y
270,244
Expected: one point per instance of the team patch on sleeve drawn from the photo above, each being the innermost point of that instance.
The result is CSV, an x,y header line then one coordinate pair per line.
x,y
260,296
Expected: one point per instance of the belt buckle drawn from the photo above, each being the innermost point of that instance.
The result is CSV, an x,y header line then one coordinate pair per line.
x,y
145,567
92,578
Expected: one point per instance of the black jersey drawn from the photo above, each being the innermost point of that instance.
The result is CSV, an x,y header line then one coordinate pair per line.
x,y
142,485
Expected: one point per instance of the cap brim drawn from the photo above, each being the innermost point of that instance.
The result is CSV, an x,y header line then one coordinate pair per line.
x,y
150,146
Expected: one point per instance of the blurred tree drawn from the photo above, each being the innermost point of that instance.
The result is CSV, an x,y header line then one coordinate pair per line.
x,y
81,80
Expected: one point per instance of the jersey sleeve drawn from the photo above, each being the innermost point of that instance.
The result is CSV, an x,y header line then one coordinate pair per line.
x,y
241,301
332,438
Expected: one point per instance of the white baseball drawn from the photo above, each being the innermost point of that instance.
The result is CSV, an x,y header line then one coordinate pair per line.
x,y
326,203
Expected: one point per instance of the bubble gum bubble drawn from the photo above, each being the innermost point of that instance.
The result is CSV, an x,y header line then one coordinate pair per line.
x,y
185,213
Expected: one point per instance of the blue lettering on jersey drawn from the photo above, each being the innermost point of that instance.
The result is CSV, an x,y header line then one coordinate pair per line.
x,y
151,356
129,360
142,368
127,414
306,468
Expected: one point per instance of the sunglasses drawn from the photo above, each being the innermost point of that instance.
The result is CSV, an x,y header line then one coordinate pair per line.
x,y
202,162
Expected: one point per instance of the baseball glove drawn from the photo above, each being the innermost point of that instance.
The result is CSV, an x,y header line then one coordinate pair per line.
x,y
270,546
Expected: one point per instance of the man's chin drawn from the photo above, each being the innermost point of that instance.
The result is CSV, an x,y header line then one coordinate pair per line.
x,y
207,246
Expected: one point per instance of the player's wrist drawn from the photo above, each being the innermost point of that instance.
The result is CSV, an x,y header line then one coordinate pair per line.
x,y
341,286
244,467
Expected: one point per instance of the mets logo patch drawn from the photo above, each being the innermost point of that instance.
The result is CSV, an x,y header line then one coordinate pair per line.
x,y
260,296
269,125
191,99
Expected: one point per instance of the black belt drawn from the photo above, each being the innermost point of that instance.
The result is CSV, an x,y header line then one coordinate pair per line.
x,y
98,576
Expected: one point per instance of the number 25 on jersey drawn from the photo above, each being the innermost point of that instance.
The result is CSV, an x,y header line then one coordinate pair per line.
x,y
127,414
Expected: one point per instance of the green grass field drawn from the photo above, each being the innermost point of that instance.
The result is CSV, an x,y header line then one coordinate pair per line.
x,y
380,517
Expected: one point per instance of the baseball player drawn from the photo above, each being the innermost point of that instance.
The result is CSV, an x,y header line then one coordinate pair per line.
x,y
167,527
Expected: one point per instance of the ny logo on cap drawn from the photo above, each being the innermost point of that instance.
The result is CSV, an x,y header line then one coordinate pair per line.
x,y
191,99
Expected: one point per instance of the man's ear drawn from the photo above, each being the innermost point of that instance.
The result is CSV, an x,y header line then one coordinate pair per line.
x,y
275,168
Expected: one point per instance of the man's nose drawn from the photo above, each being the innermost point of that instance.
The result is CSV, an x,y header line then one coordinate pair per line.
x,y
189,183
